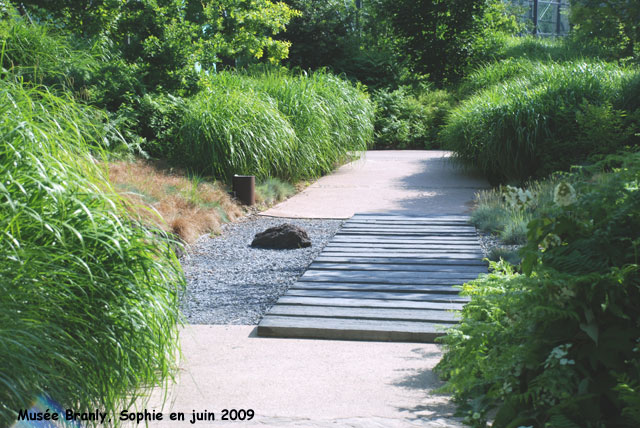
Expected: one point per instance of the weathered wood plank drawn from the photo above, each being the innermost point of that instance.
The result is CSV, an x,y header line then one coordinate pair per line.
x,y
342,258
384,295
396,232
360,286
426,250
412,229
372,216
341,329
320,265
405,254
464,240
406,246
392,277
368,303
425,222
424,315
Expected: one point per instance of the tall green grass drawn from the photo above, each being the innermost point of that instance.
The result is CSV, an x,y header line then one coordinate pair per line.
x,y
40,56
88,298
273,123
545,119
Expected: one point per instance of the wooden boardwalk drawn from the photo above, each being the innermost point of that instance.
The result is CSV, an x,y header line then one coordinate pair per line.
x,y
382,277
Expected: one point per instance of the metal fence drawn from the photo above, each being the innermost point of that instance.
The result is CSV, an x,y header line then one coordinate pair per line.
x,y
545,18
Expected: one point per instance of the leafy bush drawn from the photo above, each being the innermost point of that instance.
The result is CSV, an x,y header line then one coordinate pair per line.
x,y
530,126
407,119
155,118
273,123
88,298
559,344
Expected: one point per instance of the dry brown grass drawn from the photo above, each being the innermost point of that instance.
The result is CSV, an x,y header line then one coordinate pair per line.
x,y
176,203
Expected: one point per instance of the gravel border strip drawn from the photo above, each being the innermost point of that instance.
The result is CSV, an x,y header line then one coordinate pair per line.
x,y
228,282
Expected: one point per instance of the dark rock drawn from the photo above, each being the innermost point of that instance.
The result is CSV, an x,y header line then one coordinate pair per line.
x,y
282,237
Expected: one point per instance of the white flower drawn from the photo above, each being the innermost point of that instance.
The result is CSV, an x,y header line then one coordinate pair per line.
x,y
550,241
516,197
564,194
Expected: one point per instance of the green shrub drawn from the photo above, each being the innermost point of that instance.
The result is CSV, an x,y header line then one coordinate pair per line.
x,y
558,345
530,126
154,118
509,255
273,123
88,298
408,119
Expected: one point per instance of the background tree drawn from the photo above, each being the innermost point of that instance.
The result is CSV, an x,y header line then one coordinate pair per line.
x,y
169,39
437,34
612,24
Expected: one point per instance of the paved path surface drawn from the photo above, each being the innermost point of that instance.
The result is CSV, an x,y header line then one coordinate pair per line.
x,y
305,383
411,182
325,383
382,277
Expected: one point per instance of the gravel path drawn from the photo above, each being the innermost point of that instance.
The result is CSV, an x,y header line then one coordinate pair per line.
x,y
231,283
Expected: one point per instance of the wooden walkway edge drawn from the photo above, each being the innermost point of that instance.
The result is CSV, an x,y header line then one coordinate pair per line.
x,y
382,278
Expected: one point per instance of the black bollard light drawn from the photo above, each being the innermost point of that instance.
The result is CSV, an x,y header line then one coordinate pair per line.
x,y
244,187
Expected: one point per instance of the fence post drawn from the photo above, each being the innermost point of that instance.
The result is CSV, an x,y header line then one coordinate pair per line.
x,y
535,17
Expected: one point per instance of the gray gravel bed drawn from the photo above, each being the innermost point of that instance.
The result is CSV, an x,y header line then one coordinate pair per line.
x,y
228,282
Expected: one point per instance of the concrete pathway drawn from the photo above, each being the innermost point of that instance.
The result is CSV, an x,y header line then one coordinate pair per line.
x,y
410,182
304,383
324,383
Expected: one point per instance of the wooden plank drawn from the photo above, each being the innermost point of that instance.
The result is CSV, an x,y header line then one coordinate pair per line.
x,y
476,252
399,219
368,303
408,224
342,258
424,315
393,277
384,295
343,329
405,246
360,286
462,240
416,276
401,228
395,232
378,223
405,254
319,265
374,216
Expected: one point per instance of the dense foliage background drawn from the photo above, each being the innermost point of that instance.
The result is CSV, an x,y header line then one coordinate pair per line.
x,y
288,90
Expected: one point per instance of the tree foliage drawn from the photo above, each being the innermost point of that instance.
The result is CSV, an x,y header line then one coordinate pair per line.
x,y
615,24
436,34
170,40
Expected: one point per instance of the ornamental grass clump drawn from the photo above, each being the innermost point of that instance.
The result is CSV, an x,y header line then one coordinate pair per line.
x,y
545,119
88,297
226,130
272,122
